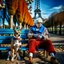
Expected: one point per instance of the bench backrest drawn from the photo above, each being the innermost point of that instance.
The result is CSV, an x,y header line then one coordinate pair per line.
x,y
23,35
6,39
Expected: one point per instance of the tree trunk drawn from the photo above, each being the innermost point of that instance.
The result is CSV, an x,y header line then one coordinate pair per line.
x,y
60,28
55,29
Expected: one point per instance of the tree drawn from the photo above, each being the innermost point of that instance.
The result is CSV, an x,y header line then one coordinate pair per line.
x,y
62,8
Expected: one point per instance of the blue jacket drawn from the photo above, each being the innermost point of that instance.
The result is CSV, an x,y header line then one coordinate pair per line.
x,y
35,31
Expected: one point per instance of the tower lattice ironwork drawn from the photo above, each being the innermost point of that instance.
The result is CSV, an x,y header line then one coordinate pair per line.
x,y
37,11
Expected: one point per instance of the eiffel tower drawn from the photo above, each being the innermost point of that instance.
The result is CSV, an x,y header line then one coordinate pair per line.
x,y
37,11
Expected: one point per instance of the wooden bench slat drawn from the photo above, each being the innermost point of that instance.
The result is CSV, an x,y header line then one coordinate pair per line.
x,y
4,48
24,36
24,41
22,48
6,31
5,37
5,41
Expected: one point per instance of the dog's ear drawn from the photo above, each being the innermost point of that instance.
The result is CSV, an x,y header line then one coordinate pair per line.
x,y
16,32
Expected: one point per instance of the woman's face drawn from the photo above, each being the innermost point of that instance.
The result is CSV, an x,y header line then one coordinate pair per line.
x,y
38,24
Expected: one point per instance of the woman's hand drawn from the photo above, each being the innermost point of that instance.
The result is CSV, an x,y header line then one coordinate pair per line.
x,y
30,35
46,37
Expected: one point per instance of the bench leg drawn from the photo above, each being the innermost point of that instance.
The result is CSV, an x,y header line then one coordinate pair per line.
x,y
23,54
0,53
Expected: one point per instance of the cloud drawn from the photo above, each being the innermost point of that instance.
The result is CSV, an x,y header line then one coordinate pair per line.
x,y
45,15
56,8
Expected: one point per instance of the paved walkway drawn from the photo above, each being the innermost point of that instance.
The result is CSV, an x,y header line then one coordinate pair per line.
x,y
59,55
58,39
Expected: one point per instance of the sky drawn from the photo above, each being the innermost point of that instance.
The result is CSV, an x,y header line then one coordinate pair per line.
x,y
47,7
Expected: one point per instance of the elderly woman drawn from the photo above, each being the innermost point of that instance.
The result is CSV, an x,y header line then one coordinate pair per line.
x,y
37,38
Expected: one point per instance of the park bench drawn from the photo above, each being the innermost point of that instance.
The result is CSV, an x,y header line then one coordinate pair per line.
x,y
6,36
